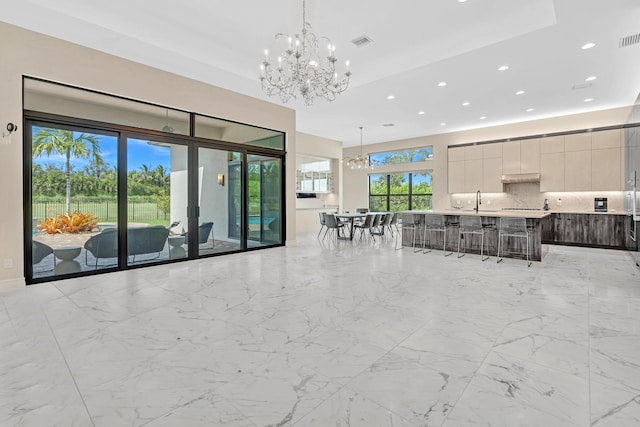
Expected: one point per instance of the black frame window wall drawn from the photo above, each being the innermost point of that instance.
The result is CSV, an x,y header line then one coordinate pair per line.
x,y
112,184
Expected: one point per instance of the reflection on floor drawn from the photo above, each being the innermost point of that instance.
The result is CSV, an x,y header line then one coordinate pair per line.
x,y
335,334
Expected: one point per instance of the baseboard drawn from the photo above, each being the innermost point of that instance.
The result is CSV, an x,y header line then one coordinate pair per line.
x,y
12,284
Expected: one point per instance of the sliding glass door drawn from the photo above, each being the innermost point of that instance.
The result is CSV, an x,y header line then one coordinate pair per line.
x,y
74,197
157,190
219,201
264,200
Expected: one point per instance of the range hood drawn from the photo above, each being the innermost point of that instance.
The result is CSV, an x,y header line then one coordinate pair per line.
x,y
517,178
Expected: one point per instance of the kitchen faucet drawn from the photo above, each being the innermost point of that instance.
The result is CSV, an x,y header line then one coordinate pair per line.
x,y
478,201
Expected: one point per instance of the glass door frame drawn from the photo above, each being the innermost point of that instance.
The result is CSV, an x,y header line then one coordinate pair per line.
x,y
123,133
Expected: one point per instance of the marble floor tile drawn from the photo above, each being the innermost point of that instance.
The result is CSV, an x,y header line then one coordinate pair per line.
x,y
337,355
204,411
551,350
614,405
414,388
507,391
329,334
278,393
347,408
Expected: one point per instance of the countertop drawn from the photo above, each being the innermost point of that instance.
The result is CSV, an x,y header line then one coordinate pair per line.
x,y
487,213
588,212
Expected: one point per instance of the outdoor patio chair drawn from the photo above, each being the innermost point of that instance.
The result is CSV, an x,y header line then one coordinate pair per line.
x,y
40,251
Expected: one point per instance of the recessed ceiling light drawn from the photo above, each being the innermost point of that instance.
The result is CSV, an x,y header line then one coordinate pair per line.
x,y
530,110
588,100
420,113
462,1
588,46
442,84
443,124
466,104
483,117
390,97
590,78
520,92
503,68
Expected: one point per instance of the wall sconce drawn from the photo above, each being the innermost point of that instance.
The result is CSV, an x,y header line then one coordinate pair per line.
x,y
10,129
221,179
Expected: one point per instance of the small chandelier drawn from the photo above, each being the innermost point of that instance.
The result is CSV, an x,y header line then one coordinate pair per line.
x,y
360,161
303,70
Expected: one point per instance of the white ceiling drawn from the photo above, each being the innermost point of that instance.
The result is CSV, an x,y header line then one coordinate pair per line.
x,y
416,45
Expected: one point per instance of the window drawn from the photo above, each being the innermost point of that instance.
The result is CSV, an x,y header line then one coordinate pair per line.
x,y
113,184
411,155
400,191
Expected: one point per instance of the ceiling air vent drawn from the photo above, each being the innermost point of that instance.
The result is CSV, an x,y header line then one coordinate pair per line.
x,y
581,86
362,41
629,40
388,125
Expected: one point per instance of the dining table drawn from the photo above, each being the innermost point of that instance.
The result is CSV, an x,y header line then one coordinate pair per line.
x,y
350,219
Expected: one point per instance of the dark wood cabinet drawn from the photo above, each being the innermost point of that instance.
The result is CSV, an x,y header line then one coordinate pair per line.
x,y
597,230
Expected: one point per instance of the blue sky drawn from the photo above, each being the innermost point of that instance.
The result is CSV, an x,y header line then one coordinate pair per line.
x,y
139,152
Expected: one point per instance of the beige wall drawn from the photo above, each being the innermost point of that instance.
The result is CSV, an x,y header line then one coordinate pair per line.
x,y
355,188
28,53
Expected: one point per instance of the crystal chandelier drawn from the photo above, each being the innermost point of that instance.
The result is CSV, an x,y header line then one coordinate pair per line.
x,y
302,69
360,161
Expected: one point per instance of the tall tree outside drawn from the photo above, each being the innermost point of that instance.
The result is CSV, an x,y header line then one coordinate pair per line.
x,y
68,144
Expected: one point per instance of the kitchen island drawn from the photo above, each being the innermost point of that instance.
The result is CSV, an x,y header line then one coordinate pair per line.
x,y
514,248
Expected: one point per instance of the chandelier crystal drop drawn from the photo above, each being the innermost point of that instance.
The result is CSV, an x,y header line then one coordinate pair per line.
x,y
303,69
360,161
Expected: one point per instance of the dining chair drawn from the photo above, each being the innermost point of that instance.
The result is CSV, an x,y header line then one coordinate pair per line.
x,y
333,226
395,222
365,225
376,226
322,222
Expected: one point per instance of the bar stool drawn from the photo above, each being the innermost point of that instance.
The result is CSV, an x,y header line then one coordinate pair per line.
x,y
414,225
472,225
435,223
513,227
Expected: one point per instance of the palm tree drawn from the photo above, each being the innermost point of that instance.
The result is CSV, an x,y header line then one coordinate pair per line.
x,y
69,144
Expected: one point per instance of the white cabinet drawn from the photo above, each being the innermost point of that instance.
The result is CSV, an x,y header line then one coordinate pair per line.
x,y
530,156
455,174
552,144
551,172
511,157
492,168
314,182
605,176
577,170
492,175
521,156
455,169
473,176
607,139
552,164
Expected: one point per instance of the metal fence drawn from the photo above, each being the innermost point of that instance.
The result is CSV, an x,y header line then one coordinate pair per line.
x,y
104,210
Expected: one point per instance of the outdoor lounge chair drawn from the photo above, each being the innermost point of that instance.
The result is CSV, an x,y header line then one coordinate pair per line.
x,y
204,230
40,251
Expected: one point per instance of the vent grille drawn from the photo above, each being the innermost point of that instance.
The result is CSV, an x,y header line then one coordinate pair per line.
x,y
581,86
388,125
629,40
362,41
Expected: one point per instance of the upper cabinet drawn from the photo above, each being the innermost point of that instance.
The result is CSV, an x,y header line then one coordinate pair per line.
x,y
530,156
455,170
588,161
314,182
